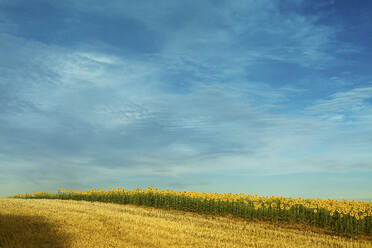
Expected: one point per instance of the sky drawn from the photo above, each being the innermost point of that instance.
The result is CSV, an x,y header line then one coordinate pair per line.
x,y
256,96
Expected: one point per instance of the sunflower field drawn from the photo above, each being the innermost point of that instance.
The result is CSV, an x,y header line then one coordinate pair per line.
x,y
342,217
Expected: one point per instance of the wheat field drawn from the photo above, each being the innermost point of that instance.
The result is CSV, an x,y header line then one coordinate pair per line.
x,y
66,223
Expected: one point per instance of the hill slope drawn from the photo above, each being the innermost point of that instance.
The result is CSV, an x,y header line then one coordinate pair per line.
x,y
57,223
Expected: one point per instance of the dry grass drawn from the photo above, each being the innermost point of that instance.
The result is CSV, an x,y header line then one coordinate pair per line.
x,y
58,223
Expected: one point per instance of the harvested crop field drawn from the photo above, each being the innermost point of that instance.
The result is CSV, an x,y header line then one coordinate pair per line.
x,y
67,223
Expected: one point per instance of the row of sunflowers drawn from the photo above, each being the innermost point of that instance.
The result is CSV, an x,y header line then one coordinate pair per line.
x,y
344,217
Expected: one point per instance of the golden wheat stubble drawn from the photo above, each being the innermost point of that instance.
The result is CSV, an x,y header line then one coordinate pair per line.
x,y
67,223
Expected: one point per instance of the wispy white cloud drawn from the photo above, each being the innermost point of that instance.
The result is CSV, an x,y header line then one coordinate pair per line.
x,y
352,101
241,32
215,113
188,106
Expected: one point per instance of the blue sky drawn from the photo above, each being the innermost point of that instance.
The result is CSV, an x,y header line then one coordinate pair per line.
x,y
267,97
